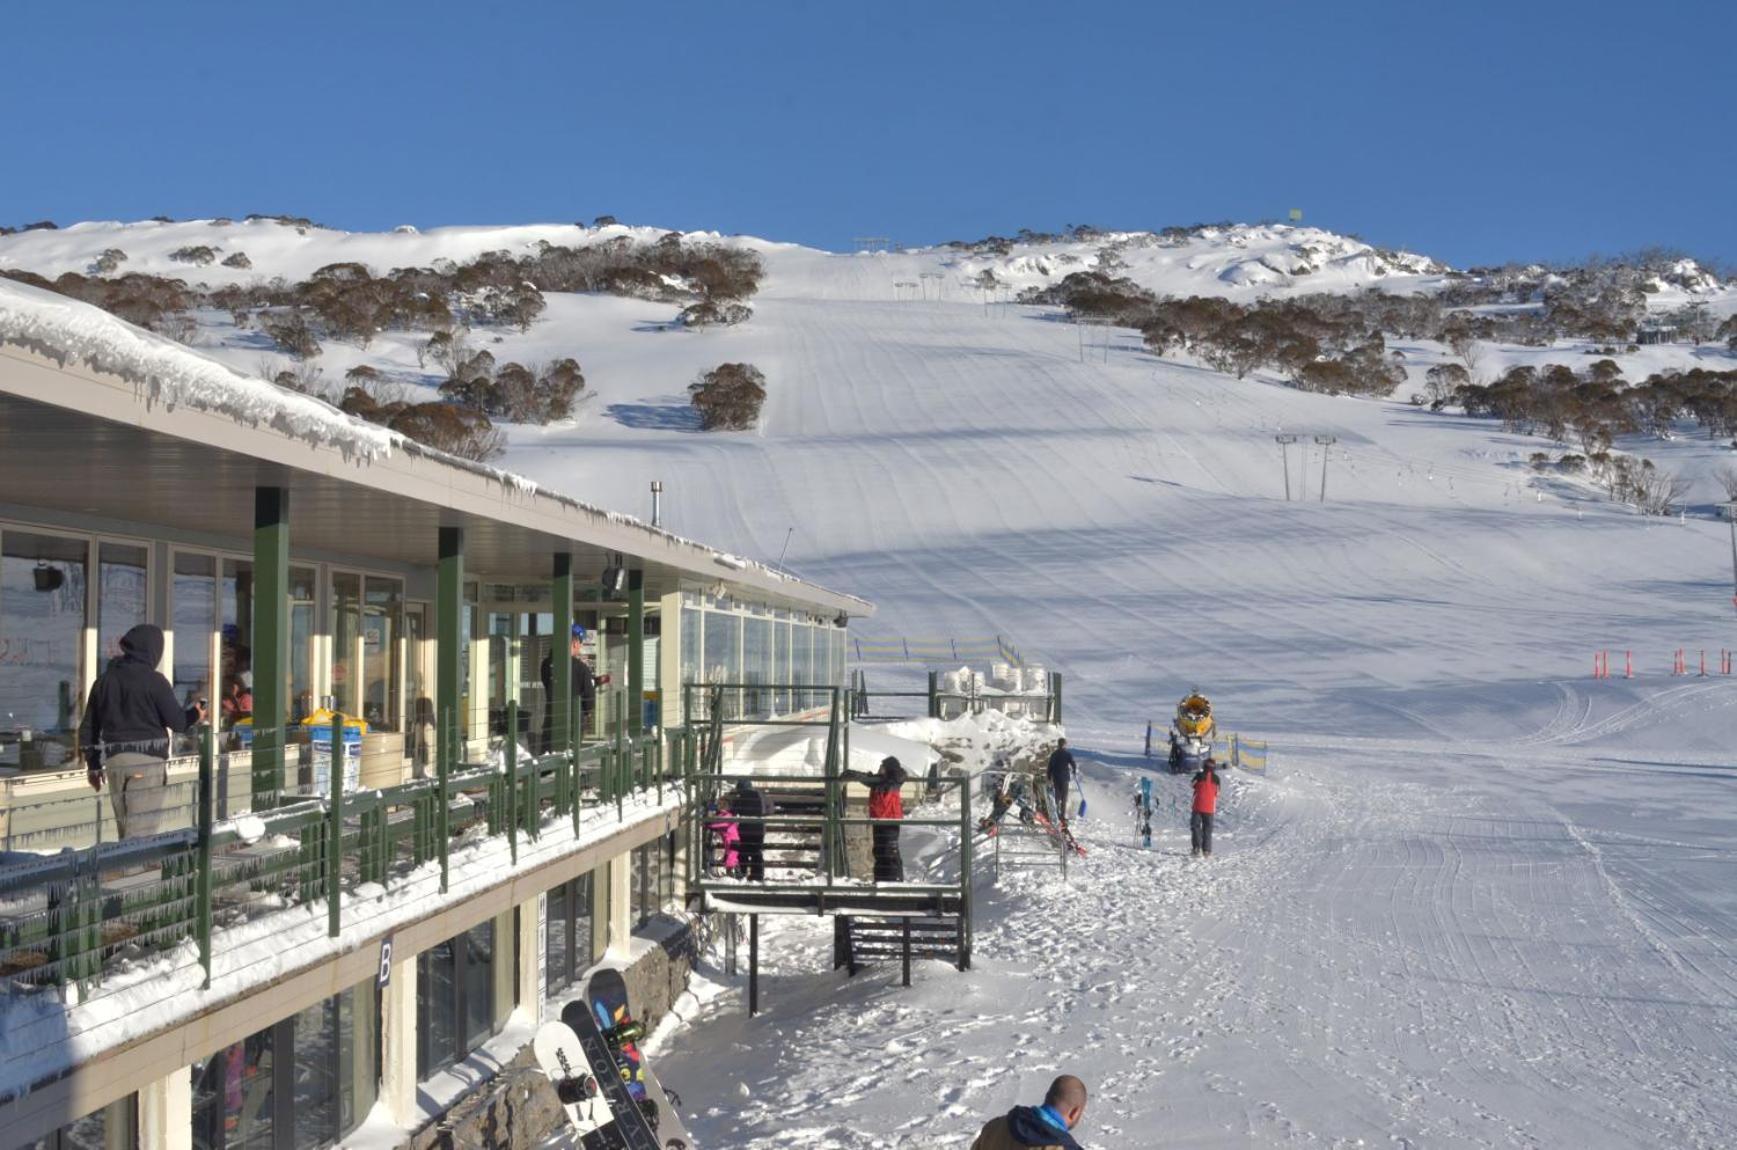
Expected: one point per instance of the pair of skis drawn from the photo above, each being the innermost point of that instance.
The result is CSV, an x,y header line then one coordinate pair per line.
x,y
1143,813
1060,834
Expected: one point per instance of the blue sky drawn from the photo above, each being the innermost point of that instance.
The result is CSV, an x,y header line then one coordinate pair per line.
x,y
1474,132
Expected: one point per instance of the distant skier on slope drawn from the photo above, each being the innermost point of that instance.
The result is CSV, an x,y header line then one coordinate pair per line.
x,y
1206,785
1062,771
1043,1126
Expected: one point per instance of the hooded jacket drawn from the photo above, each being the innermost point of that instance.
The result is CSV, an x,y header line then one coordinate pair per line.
x,y
1020,1127
131,704
886,800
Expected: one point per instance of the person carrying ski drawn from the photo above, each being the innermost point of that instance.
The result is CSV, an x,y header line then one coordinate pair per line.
x,y
886,802
1205,806
1062,771
751,807
1044,1126
124,734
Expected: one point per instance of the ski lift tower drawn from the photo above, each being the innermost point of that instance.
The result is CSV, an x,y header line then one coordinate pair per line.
x,y
1284,441
1326,442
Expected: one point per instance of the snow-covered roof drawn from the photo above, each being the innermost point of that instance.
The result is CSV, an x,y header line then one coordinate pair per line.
x,y
70,332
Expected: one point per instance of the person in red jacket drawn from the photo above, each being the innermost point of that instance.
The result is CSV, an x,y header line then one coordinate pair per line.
x,y
885,803
1205,806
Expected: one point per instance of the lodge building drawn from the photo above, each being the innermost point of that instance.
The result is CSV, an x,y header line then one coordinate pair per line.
x,y
391,845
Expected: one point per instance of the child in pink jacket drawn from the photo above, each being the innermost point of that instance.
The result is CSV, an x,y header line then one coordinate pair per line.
x,y
726,835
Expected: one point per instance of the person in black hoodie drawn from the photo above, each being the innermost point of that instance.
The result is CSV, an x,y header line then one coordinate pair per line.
x,y
751,806
1043,1126
585,684
124,734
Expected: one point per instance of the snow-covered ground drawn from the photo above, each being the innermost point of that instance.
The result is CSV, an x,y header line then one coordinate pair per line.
x,y
1394,945
1479,899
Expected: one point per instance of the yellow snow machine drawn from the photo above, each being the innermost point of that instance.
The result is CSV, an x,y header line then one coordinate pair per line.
x,y
1191,733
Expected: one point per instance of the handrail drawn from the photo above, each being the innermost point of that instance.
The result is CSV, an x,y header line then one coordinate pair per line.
x,y
68,914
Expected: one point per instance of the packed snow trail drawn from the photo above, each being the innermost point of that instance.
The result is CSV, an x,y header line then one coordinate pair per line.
x,y
1383,950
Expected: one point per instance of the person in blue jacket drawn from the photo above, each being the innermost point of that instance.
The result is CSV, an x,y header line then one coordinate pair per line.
x,y
1040,1126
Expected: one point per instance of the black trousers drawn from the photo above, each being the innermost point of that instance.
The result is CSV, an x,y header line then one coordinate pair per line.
x,y
889,867
1060,786
751,851
1200,832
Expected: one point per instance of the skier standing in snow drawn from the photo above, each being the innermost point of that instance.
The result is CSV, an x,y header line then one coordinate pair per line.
x,y
886,802
751,808
1044,1126
1205,806
1062,771
125,733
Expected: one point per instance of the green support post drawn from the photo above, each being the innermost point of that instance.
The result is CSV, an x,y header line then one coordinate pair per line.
x,y
636,651
965,829
512,796
202,891
623,769
448,661
335,828
270,641
560,659
832,833
1055,696
934,694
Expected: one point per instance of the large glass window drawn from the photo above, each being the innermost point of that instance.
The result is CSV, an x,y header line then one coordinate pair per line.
x,y
122,584
114,1127
723,653
690,650
382,655
802,670
568,932
781,663
346,632
455,998
193,611
298,1084
757,665
302,584
645,884
235,651
42,616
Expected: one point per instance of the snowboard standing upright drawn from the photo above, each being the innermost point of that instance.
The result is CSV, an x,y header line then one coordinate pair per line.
x,y
606,994
616,1124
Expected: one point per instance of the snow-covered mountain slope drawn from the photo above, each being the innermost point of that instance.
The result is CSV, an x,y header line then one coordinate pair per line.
x,y
1229,260
980,467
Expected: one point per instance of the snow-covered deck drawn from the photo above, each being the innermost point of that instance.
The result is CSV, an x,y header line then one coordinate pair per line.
x,y
155,1013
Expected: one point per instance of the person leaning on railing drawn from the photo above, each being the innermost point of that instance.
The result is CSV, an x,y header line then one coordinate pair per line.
x,y
125,732
887,807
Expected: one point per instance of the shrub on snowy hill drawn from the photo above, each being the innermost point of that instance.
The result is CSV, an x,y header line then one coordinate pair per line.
x,y
729,396
109,261
290,330
199,254
713,313
456,430
146,301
